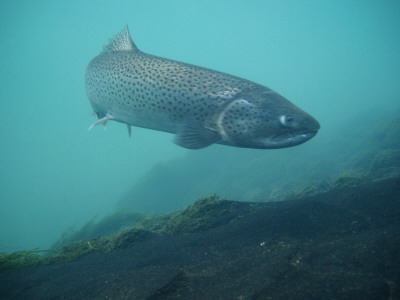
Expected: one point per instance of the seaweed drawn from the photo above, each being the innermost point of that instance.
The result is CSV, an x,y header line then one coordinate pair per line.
x,y
111,224
201,215
348,179
21,259
71,252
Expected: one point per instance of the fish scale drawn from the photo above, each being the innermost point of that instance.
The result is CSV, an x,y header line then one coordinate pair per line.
x,y
200,106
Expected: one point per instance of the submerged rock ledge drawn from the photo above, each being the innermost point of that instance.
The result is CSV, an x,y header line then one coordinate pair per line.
x,y
343,244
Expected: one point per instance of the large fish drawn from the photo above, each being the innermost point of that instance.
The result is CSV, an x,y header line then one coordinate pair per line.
x,y
200,106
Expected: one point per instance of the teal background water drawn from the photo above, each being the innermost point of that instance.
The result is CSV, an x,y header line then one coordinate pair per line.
x,y
336,60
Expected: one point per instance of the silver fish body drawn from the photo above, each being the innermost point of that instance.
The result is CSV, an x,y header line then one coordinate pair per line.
x,y
200,106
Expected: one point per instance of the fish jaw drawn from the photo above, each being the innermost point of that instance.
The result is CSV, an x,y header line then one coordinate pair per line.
x,y
286,141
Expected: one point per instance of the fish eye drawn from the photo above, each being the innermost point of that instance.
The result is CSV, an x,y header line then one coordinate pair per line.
x,y
287,120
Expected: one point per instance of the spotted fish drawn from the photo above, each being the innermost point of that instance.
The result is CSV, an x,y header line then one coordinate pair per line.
x,y
200,106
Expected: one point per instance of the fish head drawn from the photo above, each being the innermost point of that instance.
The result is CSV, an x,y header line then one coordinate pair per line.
x,y
264,119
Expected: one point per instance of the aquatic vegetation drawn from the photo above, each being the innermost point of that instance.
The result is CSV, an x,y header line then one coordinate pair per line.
x,y
101,245
20,259
113,223
201,215
71,251
347,180
119,220
302,192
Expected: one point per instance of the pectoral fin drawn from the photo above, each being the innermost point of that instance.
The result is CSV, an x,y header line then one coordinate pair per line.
x,y
195,136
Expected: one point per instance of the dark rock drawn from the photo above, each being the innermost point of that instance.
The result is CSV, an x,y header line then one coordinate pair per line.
x,y
344,244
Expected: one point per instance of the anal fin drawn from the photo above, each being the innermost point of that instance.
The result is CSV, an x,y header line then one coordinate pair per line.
x,y
129,130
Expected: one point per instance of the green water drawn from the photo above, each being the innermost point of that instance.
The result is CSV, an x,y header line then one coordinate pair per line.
x,y
337,60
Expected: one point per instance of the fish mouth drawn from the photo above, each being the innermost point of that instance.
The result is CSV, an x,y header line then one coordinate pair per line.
x,y
287,140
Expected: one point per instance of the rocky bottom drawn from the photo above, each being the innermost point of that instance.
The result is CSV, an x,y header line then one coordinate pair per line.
x,y
343,244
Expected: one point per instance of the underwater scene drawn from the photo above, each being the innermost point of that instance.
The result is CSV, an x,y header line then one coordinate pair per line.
x,y
200,149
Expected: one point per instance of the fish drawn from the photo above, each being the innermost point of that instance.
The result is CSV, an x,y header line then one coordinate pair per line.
x,y
198,105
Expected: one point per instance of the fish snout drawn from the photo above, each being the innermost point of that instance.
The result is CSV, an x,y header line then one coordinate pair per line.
x,y
302,124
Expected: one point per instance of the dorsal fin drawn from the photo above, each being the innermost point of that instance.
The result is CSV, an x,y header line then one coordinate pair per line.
x,y
121,42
